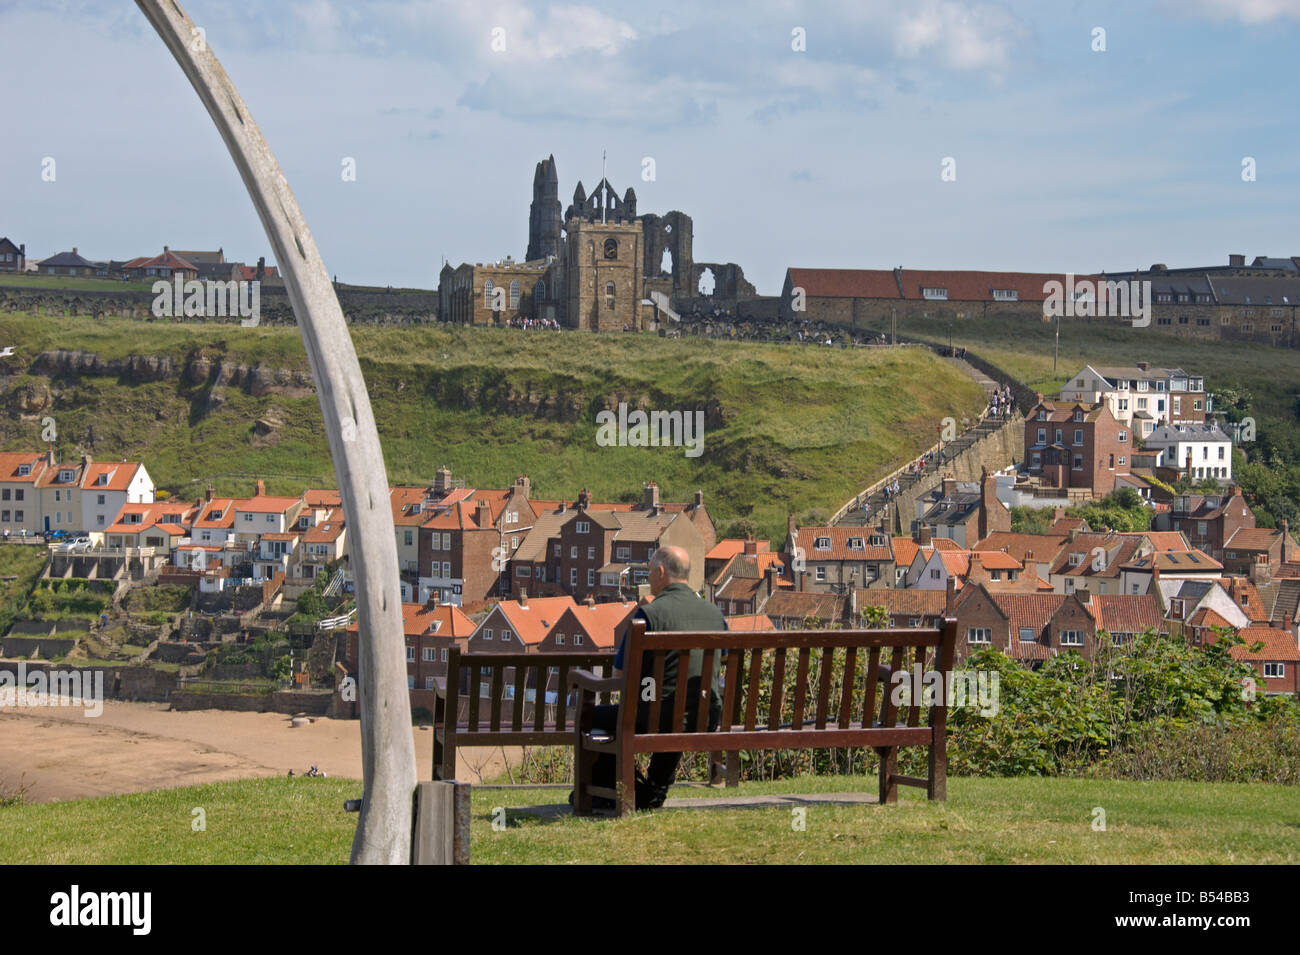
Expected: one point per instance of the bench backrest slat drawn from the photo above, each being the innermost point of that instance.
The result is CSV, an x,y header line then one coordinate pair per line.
x,y
475,693
656,701
755,681
890,717
521,690
498,684
730,690
679,699
706,684
846,687
873,670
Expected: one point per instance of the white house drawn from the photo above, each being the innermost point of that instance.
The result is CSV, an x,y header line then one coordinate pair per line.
x,y
107,487
1142,397
1197,450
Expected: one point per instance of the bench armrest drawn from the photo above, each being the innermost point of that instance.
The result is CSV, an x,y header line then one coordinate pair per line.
x,y
586,680
440,687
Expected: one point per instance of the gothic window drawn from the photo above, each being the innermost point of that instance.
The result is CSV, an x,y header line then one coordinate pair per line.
x,y
540,291
611,248
514,293
488,286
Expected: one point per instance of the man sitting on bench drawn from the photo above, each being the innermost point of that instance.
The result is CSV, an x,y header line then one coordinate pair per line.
x,y
675,607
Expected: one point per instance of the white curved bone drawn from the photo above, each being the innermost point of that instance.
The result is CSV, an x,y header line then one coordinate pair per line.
x,y
387,750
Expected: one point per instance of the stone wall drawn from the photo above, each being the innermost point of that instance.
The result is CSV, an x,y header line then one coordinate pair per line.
x,y
288,702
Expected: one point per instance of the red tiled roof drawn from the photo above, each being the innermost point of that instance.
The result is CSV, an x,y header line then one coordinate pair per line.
x,y
731,546
9,463
122,474
839,536
1279,645
910,601
750,621
1044,547
264,504
1125,613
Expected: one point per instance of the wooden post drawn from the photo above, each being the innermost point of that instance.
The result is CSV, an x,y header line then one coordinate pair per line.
x,y
441,831
387,749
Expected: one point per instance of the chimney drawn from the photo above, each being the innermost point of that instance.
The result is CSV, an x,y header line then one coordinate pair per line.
x,y
584,499
207,494
1058,512
1239,261
523,485
1144,365
923,536
74,249
950,597
1285,537
432,602
564,507
650,497
699,498
484,514
523,598
442,481
590,601
1038,397
751,545
949,486
773,575
261,488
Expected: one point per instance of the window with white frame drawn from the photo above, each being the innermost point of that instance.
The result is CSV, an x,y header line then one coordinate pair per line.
x,y
1071,638
979,635
1274,671
584,527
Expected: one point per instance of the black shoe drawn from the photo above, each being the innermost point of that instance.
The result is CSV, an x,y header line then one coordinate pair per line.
x,y
648,795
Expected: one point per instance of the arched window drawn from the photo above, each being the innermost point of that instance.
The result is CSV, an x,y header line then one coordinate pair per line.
x,y
609,294
488,288
611,248
514,293
540,291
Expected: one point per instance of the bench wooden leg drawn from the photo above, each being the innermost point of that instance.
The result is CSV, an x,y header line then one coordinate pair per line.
x,y
626,802
938,788
733,769
888,769
584,761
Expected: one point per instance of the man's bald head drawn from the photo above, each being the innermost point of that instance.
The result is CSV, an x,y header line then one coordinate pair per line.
x,y
669,565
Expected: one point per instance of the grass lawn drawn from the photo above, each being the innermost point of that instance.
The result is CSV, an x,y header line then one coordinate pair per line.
x,y
300,821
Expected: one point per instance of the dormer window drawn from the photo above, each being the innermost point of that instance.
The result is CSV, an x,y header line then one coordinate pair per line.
x,y
65,476
24,470
877,540
102,479
822,543
857,543
1078,416
434,626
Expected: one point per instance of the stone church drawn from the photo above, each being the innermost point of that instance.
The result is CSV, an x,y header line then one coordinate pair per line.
x,y
599,266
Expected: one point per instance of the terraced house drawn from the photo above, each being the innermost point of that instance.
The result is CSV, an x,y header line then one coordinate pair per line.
x,y
1074,445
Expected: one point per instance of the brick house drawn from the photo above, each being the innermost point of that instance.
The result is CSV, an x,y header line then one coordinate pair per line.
x,y
746,580
1208,521
1257,552
840,557
1036,552
1096,560
588,627
1277,662
1069,444
431,629
13,258
906,608
965,511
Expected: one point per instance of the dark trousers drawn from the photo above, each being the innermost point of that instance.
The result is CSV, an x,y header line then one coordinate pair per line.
x,y
663,766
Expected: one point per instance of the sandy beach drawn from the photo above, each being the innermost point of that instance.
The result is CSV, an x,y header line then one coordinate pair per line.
x,y
61,753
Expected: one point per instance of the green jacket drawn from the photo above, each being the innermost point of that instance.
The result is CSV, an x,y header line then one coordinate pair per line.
x,y
676,607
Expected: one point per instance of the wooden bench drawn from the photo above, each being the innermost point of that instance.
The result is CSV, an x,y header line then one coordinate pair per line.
x,y
857,709
504,717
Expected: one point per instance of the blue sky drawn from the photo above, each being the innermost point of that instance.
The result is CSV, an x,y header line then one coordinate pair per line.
x,y
1066,158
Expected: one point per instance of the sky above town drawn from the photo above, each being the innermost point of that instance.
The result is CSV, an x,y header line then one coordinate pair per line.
x,y
1064,156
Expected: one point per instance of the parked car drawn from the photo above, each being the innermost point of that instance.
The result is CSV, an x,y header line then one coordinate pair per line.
x,y
80,544
55,536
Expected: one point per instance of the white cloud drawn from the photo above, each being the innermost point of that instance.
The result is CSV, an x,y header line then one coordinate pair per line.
x,y
964,36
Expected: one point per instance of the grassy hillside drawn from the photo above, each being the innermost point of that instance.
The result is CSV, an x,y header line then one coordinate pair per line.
x,y
788,429
989,821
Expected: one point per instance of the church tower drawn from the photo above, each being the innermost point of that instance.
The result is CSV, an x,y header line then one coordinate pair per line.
x,y
544,215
